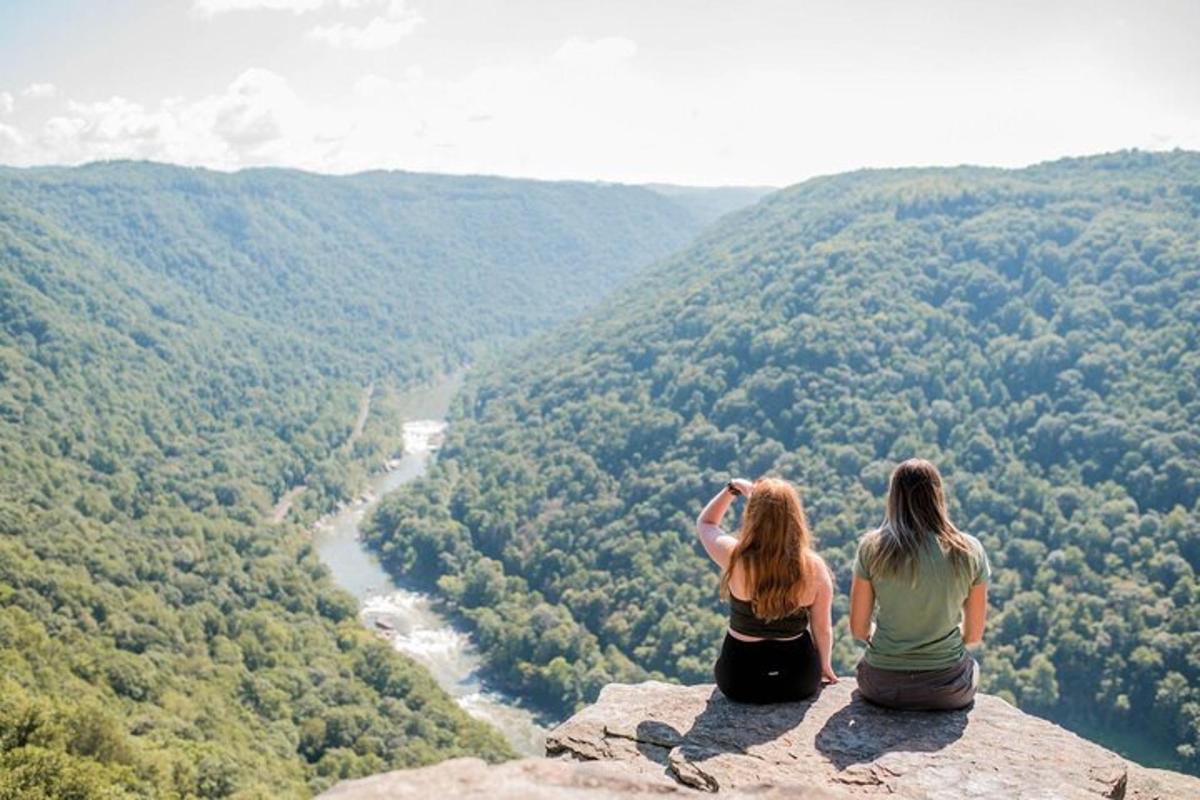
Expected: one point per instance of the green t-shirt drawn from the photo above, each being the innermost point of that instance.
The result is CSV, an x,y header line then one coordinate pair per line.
x,y
917,621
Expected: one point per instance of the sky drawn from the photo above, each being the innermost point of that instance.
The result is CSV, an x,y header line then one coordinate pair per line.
x,y
747,92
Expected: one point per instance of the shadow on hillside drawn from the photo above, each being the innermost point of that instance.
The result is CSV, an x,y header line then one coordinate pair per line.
x,y
860,732
722,727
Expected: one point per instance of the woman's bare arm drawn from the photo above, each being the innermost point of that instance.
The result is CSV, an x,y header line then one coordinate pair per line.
x,y
862,605
975,614
821,620
717,543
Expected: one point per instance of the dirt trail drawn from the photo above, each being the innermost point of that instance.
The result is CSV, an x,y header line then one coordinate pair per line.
x,y
285,503
364,408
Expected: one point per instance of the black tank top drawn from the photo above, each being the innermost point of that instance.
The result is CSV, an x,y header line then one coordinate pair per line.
x,y
742,620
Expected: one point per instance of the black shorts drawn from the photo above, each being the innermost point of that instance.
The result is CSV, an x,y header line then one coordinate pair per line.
x,y
770,671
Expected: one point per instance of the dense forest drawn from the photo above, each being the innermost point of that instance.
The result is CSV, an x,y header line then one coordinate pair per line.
x,y
1035,332
178,348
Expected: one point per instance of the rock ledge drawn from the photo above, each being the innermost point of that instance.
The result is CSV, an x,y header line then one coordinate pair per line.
x,y
655,738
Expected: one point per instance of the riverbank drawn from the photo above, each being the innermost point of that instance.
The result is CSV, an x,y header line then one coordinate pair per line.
x,y
406,617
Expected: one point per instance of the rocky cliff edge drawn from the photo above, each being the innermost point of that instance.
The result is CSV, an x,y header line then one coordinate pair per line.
x,y
660,739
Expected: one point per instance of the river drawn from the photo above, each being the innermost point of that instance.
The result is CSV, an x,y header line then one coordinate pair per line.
x,y
406,616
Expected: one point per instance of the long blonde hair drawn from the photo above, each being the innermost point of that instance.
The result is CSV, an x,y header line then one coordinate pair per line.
x,y
915,512
774,549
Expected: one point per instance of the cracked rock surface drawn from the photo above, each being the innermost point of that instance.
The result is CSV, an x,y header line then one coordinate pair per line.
x,y
843,746
534,779
653,740
525,779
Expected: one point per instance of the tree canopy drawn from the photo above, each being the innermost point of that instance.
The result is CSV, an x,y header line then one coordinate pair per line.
x,y
178,348
1034,332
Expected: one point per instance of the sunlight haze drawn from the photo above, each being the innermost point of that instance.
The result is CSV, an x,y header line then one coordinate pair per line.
x,y
751,93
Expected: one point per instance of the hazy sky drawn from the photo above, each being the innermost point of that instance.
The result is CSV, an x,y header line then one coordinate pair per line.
x,y
741,91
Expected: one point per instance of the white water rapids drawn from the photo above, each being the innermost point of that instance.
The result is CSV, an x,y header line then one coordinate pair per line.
x,y
405,616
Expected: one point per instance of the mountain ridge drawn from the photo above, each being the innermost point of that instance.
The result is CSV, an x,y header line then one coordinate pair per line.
x,y
178,350
1033,331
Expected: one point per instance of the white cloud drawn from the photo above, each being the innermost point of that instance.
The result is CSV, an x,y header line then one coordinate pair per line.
x,y
37,90
680,94
210,8
249,115
257,120
584,108
375,87
392,22
11,140
381,32
371,85
6,102
597,53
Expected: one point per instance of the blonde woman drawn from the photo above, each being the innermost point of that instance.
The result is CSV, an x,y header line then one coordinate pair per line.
x,y
925,583
780,592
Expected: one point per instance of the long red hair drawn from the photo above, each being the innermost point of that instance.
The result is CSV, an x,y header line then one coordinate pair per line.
x,y
774,550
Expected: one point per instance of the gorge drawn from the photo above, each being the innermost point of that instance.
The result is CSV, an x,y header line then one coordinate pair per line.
x,y
1034,332
197,368
406,618
181,349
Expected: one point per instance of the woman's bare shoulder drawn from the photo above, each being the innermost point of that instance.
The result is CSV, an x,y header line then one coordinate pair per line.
x,y
822,574
820,580
737,578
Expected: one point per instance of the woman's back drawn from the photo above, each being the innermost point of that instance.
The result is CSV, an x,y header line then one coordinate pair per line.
x,y
745,622
802,594
918,612
777,647
925,584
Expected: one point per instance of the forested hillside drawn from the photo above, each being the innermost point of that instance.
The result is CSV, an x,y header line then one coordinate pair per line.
x,y
384,266
710,203
177,349
1034,332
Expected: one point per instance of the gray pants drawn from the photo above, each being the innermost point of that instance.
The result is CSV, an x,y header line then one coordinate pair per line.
x,y
920,690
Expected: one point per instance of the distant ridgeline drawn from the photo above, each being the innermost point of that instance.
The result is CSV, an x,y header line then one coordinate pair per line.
x,y
178,347
1035,332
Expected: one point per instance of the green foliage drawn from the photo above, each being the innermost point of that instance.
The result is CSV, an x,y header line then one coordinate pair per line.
x,y
388,273
1034,332
178,348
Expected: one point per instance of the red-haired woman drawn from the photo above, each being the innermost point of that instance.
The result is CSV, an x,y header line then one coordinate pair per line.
x,y
778,589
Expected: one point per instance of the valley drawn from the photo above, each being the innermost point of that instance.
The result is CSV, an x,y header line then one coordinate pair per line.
x,y
388,388
1034,332
202,375
405,618
180,351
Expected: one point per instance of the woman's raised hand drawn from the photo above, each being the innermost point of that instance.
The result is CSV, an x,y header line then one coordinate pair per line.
x,y
744,486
